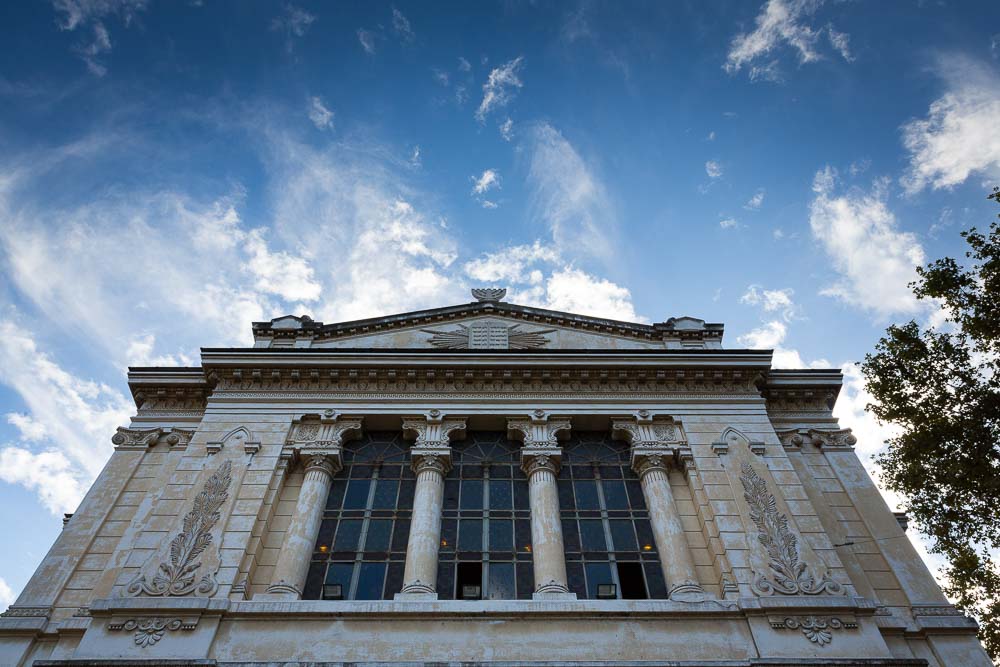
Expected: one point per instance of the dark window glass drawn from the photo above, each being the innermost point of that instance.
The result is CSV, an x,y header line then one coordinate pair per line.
x,y
592,535
314,580
385,494
645,534
370,581
574,575
622,535
472,494
501,582
501,535
525,580
614,494
571,536
400,536
632,585
340,573
326,531
357,494
522,535
470,535
446,580
379,531
347,535
500,494
406,490
449,534
635,496
521,500
393,580
565,487
654,580
336,498
597,574
586,495
451,487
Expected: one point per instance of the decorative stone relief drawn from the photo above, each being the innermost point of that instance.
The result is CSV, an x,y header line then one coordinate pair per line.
x,y
818,630
27,612
644,430
239,437
433,430
537,431
143,438
488,335
179,576
790,574
841,439
149,631
489,294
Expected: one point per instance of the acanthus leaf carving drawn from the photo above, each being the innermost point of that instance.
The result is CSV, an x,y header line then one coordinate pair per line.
x,y
179,576
790,575
149,631
817,629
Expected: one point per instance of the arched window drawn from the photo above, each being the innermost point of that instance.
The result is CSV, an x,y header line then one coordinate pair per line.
x,y
486,525
608,538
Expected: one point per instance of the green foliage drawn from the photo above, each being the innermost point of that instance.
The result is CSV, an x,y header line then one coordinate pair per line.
x,y
941,386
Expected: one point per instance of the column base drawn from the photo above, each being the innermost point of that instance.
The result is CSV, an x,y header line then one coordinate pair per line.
x,y
687,591
280,591
553,591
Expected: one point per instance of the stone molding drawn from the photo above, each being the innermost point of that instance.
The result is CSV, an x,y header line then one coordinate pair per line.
x,y
817,629
240,436
825,439
178,576
149,631
144,438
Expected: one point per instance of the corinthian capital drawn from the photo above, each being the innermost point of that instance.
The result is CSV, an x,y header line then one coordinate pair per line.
x,y
538,430
321,438
534,463
433,433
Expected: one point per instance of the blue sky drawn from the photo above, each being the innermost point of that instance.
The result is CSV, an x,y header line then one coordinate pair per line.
x,y
171,171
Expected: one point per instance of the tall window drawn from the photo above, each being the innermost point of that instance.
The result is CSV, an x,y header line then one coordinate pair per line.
x,y
486,525
610,552
361,549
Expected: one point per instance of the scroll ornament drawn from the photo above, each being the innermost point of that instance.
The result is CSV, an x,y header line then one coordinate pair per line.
x,y
149,631
179,576
816,629
790,575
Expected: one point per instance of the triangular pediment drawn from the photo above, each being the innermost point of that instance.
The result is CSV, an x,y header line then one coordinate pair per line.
x,y
491,325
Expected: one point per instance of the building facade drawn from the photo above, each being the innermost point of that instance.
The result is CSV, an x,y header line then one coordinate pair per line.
x,y
490,484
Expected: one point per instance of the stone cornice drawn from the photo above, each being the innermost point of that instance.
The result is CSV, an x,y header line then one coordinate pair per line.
x,y
305,327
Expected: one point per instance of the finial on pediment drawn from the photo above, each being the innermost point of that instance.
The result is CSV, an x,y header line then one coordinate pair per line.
x,y
489,294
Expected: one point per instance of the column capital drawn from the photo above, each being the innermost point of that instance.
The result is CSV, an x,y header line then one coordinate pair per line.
x,y
538,430
433,434
316,440
532,462
430,459
651,461
644,429
327,462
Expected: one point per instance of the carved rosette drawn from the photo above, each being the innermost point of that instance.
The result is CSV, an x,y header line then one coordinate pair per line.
x,y
149,631
179,575
789,575
817,629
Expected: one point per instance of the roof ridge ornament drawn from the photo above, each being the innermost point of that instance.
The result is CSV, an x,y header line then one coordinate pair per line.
x,y
489,294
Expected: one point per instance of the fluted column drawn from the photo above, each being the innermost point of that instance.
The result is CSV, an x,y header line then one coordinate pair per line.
x,y
300,538
668,532
431,461
420,573
540,459
547,551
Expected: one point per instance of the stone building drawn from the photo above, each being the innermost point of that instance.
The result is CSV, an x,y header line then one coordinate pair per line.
x,y
484,483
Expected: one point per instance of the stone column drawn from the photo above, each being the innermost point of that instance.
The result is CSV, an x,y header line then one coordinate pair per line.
x,y
431,461
316,443
654,443
300,538
540,458
668,532
420,574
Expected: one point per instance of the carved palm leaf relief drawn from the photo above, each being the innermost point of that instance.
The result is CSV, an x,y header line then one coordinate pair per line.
x,y
789,574
179,575
488,336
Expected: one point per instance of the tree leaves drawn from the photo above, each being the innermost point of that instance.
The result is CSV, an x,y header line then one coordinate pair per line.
x,y
942,387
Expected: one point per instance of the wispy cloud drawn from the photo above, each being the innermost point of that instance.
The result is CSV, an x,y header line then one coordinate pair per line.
x,y
486,181
729,223
401,26
367,40
862,239
958,137
321,117
93,14
755,202
293,22
500,88
507,129
714,169
781,23
771,301
464,65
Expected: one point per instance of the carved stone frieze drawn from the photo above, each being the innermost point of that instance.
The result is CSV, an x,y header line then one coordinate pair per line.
x,y
179,574
27,612
817,629
144,438
789,575
488,335
149,631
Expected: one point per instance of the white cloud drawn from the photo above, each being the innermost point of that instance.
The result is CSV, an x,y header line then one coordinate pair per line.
x,y
767,336
778,234
441,76
293,23
488,203
711,136
7,595
415,156
78,417
958,137
81,12
567,196
279,273
89,52
507,129
755,202
500,87
573,290
876,261
464,65
729,223
401,25
488,180
511,264
367,40
30,429
781,23
776,300
713,169
321,117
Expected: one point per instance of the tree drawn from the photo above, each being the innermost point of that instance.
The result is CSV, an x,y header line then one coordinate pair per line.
x,y
941,386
